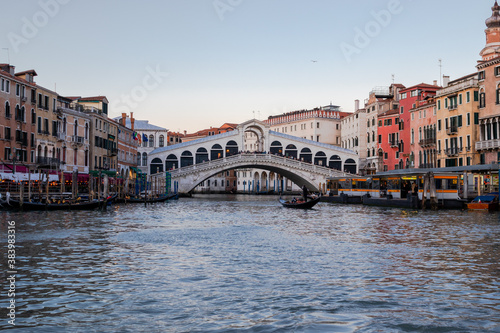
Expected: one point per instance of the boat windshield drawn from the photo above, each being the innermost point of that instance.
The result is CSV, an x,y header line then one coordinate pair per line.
x,y
484,198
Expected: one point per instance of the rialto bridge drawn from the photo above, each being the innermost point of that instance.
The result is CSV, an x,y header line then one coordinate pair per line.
x,y
302,161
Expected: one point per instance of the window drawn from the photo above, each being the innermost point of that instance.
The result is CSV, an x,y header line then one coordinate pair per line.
x,y
162,141
460,99
497,71
33,116
482,100
439,105
403,96
467,97
439,125
18,90
402,109
481,75
468,119
414,93
39,125
7,110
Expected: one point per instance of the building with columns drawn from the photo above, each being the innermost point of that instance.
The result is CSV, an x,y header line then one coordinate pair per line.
x,y
488,68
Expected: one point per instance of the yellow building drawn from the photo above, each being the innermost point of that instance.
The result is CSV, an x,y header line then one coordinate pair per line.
x,y
103,134
457,118
49,140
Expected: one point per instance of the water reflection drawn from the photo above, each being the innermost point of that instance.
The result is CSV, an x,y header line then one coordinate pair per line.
x,y
221,263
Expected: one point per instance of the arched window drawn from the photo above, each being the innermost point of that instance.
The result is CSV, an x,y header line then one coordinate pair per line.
x,y
156,166
201,156
144,159
151,141
291,151
186,159
7,110
216,152
171,163
276,148
320,159
162,141
138,159
350,166
335,162
231,148
306,155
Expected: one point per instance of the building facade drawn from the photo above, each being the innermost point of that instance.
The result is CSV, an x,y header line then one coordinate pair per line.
x,y
488,68
423,144
457,114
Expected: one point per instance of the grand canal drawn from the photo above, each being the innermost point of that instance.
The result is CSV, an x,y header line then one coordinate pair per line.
x,y
243,263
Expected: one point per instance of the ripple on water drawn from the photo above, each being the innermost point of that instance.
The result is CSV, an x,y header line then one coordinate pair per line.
x,y
222,264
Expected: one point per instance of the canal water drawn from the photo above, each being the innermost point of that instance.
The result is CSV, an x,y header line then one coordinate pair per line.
x,y
245,264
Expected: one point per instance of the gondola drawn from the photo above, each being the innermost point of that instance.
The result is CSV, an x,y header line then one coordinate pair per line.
x,y
300,204
162,198
68,205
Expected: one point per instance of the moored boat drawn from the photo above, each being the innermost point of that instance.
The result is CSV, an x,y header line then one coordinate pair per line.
x,y
484,202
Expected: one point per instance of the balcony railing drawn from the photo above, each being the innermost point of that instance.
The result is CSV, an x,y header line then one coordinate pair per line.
x,y
490,144
61,136
452,130
452,107
78,139
427,142
113,152
426,166
453,151
394,144
48,161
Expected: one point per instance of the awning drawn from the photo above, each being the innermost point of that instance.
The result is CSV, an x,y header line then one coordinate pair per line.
x,y
18,176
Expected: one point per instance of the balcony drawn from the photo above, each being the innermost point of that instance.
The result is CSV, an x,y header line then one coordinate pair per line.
x,y
450,152
79,140
426,166
61,136
113,152
490,144
452,130
24,98
452,107
394,144
429,142
48,162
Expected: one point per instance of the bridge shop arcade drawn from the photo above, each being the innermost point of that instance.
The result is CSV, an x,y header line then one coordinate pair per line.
x,y
443,188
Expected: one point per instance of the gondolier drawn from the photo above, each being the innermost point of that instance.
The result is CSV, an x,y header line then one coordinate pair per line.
x,y
305,192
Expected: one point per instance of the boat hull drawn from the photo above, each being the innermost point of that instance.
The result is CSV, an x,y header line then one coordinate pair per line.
x,y
300,205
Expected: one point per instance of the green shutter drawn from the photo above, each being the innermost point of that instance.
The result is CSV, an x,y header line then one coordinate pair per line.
x,y
476,96
476,118
460,121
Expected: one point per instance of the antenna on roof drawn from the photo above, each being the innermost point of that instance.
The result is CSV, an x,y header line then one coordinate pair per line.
x,y
8,54
441,72
393,78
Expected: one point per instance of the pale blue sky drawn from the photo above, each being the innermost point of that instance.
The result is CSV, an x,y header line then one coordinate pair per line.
x,y
228,58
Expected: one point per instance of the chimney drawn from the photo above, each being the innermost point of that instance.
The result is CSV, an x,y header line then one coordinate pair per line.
x,y
356,105
124,119
446,80
185,132
435,82
132,121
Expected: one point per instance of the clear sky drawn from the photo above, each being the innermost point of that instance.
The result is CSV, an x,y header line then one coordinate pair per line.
x,y
192,64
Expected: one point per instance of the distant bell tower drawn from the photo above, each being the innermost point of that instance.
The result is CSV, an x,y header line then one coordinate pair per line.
x,y
492,48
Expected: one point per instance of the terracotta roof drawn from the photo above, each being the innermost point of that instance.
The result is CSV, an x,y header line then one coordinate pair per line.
x,y
464,77
96,98
420,85
31,71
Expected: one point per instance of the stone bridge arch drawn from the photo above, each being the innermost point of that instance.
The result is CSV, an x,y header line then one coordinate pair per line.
x,y
301,173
